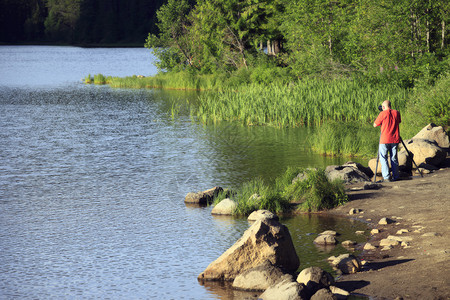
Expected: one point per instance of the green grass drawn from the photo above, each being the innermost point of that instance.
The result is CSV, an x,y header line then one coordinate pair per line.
x,y
88,79
303,103
313,193
429,104
316,192
257,194
181,80
351,138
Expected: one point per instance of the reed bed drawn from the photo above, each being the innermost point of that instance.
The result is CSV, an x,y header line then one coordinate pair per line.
x,y
179,81
345,139
304,103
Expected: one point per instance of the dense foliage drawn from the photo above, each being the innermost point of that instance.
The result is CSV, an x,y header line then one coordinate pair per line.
x,y
311,62
77,21
405,39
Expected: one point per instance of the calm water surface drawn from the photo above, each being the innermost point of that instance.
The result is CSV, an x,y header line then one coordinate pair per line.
x,y
92,182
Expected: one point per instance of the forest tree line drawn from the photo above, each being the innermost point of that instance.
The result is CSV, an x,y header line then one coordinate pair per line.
x,y
301,36
306,36
87,22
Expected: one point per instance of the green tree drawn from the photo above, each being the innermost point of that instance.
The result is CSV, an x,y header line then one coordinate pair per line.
x,y
34,24
314,30
62,18
228,33
171,46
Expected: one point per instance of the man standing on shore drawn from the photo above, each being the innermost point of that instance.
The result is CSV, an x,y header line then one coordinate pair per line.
x,y
389,119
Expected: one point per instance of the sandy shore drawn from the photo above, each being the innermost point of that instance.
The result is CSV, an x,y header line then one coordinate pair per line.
x,y
421,206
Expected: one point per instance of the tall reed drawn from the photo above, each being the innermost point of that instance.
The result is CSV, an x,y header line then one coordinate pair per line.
x,y
180,80
353,138
307,102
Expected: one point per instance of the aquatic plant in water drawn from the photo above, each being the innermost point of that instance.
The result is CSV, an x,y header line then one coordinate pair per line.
x,y
312,192
301,103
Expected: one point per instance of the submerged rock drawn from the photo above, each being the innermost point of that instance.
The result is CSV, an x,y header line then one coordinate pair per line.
x,y
348,243
329,232
325,239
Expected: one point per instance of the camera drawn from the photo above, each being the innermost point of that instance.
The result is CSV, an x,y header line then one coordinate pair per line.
x,y
380,107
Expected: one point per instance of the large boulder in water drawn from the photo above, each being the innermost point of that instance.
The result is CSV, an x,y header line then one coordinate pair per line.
x,y
224,207
203,198
434,133
325,239
265,240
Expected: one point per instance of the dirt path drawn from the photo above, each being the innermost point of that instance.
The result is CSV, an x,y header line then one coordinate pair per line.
x,y
420,270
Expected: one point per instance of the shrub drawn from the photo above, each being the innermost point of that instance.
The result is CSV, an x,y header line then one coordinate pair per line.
x,y
436,102
256,194
314,193
99,79
429,105
88,79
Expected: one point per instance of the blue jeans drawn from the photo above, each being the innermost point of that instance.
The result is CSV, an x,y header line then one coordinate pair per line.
x,y
384,150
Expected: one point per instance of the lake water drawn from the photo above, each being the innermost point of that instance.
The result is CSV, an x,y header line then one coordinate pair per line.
x,y
92,182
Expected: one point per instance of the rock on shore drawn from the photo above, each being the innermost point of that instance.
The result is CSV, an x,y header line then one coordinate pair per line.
x,y
428,149
434,133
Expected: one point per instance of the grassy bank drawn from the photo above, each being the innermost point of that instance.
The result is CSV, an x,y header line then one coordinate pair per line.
x,y
306,190
341,110
179,80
